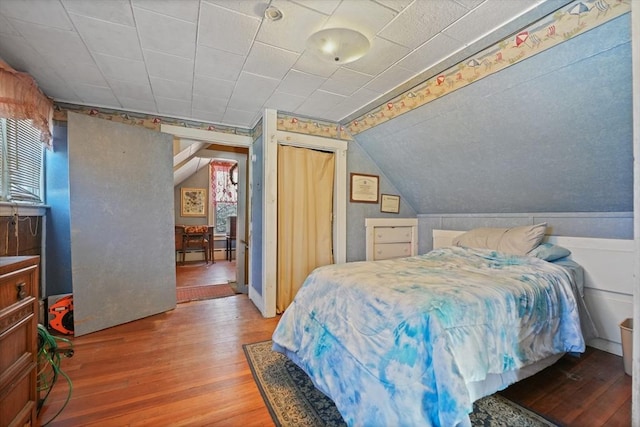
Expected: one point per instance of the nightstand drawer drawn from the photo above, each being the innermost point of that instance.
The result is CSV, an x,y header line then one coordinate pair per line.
x,y
392,234
391,250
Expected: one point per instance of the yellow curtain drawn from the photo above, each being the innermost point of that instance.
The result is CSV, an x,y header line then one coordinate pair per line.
x,y
305,211
21,99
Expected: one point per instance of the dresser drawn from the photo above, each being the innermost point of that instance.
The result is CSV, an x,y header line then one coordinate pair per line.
x,y
18,340
388,238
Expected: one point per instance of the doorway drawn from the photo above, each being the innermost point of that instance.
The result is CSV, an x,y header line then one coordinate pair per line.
x,y
194,149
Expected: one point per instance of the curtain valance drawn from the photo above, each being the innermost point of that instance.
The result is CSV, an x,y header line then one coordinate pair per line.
x,y
21,99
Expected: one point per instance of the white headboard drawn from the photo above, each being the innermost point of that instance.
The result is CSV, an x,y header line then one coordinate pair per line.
x,y
608,266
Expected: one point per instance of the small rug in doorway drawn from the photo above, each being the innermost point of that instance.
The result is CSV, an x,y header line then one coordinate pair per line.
x,y
197,293
293,400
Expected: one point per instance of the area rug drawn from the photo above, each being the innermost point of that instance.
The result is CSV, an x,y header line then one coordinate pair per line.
x,y
293,400
197,293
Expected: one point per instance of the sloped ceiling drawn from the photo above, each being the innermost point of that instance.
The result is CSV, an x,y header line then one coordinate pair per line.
x,y
223,62
550,134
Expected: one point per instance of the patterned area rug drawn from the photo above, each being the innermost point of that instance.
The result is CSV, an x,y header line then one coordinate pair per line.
x,y
293,400
196,293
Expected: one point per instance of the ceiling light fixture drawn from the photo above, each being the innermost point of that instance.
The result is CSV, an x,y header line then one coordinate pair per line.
x,y
338,45
272,13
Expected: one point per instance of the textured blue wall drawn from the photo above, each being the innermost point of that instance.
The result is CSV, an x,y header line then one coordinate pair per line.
x,y
550,134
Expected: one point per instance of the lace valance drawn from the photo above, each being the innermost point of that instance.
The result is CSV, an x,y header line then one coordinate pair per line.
x,y
21,99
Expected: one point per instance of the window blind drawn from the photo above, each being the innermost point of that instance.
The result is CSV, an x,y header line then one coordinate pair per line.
x,y
21,162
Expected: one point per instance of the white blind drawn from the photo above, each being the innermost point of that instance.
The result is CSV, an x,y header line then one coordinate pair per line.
x,y
21,162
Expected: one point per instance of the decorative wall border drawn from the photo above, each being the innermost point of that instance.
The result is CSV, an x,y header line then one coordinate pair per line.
x,y
291,123
148,121
576,18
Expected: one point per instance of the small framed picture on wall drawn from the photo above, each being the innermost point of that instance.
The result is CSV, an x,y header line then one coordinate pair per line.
x,y
364,188
193,202
390,203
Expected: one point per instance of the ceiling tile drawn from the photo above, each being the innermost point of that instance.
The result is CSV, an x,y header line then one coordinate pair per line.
x,y
323,6
43,12
130,89
284,101
239,117
390,79
48,42
486,18
122,68
345,82
79,72
17,52
351,104
430,53
95,95
173,107
166,34
252,8
108,38
53,85
317,102
138,105
298,83
292,31
208,116
226,30
209,103
252,90
217,88
116,11
217,63
422,20
382,55
168,66
187,10
365,16
269,61
6,28
171,89
396,5
310,63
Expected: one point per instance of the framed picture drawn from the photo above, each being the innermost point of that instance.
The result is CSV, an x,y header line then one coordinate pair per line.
x,y
364,188
193,202
390,203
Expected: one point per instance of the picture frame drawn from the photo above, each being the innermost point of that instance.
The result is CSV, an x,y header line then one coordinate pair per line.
x,y
193,202
390,203
364,188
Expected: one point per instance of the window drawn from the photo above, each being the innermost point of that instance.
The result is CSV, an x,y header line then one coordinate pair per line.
x,y
21,162
224,192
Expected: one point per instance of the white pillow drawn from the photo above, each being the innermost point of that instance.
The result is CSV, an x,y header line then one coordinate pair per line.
x,y
514,240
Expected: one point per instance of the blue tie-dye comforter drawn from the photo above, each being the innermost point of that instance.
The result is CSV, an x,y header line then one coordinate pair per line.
x,y
395,342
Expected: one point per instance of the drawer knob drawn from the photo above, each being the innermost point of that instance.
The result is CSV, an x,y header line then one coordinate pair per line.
x,y
22,292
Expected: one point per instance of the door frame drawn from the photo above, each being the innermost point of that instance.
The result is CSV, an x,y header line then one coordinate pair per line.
x,y
266,302
231,140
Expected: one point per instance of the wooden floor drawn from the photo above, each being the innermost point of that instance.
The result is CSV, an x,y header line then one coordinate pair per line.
x,y
186,367
198,273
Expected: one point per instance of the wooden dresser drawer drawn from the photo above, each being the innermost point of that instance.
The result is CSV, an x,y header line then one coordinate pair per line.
x,y
17,401
18,340
392,234
391,250
17,285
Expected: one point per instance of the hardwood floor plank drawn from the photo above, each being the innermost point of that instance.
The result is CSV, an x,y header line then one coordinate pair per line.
x,y
186,367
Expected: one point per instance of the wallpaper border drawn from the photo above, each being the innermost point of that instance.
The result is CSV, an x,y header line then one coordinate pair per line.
x,y
567,22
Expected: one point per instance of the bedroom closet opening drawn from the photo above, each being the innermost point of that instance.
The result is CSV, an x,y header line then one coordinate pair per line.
x,y
305,211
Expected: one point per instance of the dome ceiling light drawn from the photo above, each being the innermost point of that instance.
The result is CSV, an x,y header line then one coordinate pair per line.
x,y
338,45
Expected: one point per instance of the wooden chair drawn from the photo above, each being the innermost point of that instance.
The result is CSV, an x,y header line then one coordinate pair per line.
x,y
195,238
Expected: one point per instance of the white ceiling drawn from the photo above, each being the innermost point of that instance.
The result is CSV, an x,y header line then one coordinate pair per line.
x,y
222,62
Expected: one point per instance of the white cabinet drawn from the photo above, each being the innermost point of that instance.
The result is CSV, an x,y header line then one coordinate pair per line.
x,y
391,238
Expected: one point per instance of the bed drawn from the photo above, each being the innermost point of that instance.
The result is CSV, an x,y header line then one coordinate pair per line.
x,y
416,340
